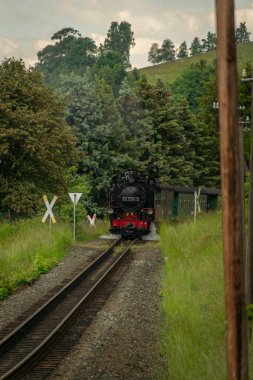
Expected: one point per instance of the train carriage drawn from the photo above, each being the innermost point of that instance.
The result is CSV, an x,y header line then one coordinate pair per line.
x,y
176,202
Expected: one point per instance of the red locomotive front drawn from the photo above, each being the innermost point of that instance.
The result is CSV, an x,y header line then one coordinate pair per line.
x,y
131,205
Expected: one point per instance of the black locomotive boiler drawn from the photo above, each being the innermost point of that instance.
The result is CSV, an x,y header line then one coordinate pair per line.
x,y
131,205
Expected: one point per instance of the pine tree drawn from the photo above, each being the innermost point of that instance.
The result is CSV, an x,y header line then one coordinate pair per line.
x,y
209,43
168,51
242,34
207,141
137,124
196,47
167,147
183,51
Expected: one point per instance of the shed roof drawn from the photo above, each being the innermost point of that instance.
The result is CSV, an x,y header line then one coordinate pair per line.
x,y
182,189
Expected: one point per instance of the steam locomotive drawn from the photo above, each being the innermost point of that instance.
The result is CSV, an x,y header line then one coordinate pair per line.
x,y
131,205
137,202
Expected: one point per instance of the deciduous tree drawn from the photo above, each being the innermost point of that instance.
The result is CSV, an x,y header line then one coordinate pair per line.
x,y
36,145
154,54
70,53
120,38
168,51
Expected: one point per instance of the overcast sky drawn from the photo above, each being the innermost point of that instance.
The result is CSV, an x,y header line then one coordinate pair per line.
x,y
26,26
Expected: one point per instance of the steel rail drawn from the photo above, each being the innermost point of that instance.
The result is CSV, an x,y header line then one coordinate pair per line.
x,y
20,331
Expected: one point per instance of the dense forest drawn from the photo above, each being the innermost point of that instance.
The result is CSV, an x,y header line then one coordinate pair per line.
x,y
82,115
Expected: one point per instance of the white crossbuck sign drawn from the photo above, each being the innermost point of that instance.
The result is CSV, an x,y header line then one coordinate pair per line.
x,y
49,211
91,220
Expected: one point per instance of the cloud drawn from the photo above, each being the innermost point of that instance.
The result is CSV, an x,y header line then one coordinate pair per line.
x,y
245,15
40,44
7,46
29,60
98,38
142,24
142,45
81,12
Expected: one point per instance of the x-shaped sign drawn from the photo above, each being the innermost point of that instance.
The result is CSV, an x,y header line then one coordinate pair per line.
x,y
91,220
49,209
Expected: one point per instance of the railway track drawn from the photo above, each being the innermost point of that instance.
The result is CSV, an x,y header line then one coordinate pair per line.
x,y
33,339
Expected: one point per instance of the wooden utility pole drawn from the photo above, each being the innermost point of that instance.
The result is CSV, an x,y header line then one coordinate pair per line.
x,y
250,221
232,202
249,261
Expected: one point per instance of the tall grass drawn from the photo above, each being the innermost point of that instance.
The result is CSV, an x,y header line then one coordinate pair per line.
x,y
27,249
193,341
86,232
193,300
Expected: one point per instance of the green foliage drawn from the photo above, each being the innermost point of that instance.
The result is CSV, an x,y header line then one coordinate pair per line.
x,y
64,33
241,33
4,292
193,339
70,53
198,86
167,51
196,47
154,54
92,113
36,146
168,72
86,232
182,51
191,84
209,43
207,142
167,153
244,90
29,251
137,123
110,67
77,183
120,38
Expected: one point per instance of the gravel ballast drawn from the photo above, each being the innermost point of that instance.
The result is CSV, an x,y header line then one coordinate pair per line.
x,y
122,340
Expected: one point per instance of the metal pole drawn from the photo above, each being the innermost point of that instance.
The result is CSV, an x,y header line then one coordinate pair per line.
x,y
237,361
195,205
250,216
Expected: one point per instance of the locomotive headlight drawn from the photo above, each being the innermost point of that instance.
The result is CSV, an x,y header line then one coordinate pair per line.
x,y
110,210
150,212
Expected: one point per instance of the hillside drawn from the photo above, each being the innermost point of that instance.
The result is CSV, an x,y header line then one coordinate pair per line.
x,y
169,71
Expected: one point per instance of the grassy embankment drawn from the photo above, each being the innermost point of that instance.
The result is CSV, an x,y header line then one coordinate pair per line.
x,y
28,249
169,71
193,341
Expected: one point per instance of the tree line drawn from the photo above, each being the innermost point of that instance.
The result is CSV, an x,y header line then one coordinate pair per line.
x,y
168,52
80,116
